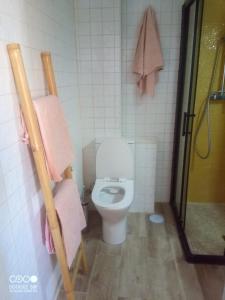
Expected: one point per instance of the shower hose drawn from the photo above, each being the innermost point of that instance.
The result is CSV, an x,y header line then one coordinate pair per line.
x,y
204,111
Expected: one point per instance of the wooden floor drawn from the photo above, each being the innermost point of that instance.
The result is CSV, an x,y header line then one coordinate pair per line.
x,y
148,266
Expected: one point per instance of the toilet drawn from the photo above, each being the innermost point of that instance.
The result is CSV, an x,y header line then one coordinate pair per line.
x,y
113,191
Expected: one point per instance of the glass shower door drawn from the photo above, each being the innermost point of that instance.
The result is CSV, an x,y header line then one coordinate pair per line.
x,y
186,93
205,213
198,193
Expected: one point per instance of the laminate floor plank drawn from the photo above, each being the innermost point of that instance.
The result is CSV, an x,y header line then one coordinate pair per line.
x,y
104,279
149,265
82,281
212,281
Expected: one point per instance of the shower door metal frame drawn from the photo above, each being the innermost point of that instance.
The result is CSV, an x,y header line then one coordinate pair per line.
x,y
190,257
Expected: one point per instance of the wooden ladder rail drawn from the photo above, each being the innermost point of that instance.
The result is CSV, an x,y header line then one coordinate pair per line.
x,y
51,83
37,148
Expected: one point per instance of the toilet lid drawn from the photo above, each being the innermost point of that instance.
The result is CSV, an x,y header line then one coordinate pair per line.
x,y
114,159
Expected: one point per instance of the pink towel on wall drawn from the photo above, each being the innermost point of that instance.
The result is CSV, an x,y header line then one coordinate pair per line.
x,y
71,217
148,59
55,135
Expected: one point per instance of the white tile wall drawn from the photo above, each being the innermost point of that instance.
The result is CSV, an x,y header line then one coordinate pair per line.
x,y
99,57
98,38
37,26
104,64
96,24
146,117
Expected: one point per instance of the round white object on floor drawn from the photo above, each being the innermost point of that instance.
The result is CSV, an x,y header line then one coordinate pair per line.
x,y
156,219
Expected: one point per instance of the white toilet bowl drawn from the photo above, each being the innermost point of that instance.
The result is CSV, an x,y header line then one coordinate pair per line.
x,y
113,199
113,191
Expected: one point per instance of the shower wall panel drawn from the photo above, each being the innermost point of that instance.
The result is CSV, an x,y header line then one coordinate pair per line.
x,y
206,180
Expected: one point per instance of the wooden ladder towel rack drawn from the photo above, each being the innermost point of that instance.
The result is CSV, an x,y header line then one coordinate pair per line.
x,y
37,147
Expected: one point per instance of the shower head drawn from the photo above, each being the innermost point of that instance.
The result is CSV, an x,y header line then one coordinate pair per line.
x,y
217,95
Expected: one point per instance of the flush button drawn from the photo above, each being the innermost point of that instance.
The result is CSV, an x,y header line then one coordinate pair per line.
x,y
114,179
122,179
106,179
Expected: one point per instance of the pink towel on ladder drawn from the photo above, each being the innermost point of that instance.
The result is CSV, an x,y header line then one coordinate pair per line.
x,y
148,59
55,135
71,217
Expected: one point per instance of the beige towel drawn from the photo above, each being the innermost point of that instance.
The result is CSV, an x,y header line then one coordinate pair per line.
x,y
148,57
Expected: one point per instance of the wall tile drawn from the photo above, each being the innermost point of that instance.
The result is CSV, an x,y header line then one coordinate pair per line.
x,y
101,62
37,26
148,117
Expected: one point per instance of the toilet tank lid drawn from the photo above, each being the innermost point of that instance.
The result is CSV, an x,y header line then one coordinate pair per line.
x,y
114,159
101,140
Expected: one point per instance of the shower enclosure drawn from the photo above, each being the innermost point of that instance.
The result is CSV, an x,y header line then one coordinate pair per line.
x,y
198,181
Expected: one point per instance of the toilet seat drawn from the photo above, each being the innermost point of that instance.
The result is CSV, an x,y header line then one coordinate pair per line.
x,y
113,195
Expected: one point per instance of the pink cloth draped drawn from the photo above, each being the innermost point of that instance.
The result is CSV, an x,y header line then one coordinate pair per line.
x,y
71,217
59,155
148,59
55,135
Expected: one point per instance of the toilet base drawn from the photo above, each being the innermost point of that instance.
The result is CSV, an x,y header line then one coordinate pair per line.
x,y
115,233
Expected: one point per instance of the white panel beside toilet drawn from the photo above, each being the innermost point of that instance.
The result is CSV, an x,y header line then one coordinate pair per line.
x,y
145,175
